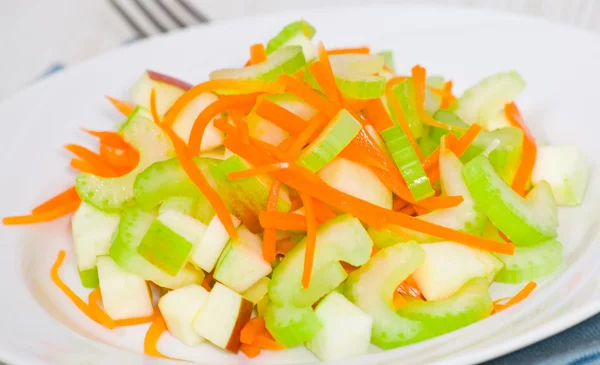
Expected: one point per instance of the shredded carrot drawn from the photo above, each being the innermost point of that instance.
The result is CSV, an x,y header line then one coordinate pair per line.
x,y
44,216
157,328
251,351
395,81
54,275
286,143
252,329
409,209
265,341
282,220
398,203
194,172
123,107
446,93
257,54
281,117
307,94
398,300
434,156
296,203
242,174
92,158
354,153
241,124
326,80
306,135
419,78
68,196
213,110
361,50
523,294
111,139
93,299
378,116
135,321
269,237
420,210
397,108
121,161
322,211
270,149
311,237
244,86
284,246
529,149
466,139
439,202
84,166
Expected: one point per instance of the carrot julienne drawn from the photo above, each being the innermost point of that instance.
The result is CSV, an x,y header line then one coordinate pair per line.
x,y
157,328
241,124
242,174
395,81
420,210
252,329
440,202
378,116
111,139
310,96
84,166
521,295
266,341
257,54
93,299
306,135
123,107
466,139
269,237
251,351
446,93
44,216
282,220
327,77
93,158
322,211
529,149
281,117
284,246
68,196
311,237
337,51
194,172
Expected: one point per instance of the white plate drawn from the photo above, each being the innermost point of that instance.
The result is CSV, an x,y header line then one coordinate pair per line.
x,y
40,326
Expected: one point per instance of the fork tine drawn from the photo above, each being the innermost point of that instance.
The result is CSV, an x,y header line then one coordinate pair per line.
x,y
151,17
170,14
194,12
140,32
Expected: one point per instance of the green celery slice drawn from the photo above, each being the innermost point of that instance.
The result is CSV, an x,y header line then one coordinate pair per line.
x,y
408,162
405,94
357,86
525,221
335,137
114,194
286,60
89,278
482,102
388,59
530,263
182,204
289,32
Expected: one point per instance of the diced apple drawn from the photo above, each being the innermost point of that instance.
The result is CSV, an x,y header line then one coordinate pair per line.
x,y
257,291
448,266
222,317
210,247
212,137
241,264
171,240
565,169
356,180
168,90
124,295
179,308
345,331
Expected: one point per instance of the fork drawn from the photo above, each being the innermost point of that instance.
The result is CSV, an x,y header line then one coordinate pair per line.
x,y
155,12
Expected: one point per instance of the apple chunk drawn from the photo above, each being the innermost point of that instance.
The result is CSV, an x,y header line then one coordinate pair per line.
x,y
168,89
185,120
222,317
179,308
215,238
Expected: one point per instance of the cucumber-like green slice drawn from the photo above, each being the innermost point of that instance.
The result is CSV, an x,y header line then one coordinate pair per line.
x,y
181,204
288,33
356,75
357,62
388,59
484,100
408,163
530,263
335,137
340,239
432,100
114,194
285,60
405,93
93,231
505,158
166,179
133,226
525,221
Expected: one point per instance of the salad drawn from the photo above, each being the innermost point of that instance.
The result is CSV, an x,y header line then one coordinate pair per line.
x,y
312,197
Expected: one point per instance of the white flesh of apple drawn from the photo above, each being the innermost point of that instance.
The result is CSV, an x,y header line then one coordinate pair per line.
x,y
124,295
166,94
210,247
192,230
179,307
212,137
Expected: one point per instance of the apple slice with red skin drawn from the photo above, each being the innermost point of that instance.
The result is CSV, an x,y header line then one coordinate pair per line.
x,y
222,317
168,89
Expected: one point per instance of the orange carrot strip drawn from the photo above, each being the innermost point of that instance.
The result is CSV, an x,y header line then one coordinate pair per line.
x,y
135,321
362,50
265,341
395,81
310,96
445,93
420,210
252,329
257,54
251,351
84,166
296,203
68,196
398,203
44,216
322,211
397,108
101,316
284,246
157,328
282,220
332,91
523,294
398,300
319,71
409,209
466,139
93,158
378,116
236,175
214,109
440,202
123,107
529,149
286,143
194,172
54,275
419,78
311,237
354,153
111,139
240,123
270,149
306,135
281,117
245,86
269,237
